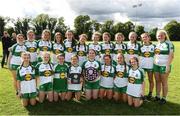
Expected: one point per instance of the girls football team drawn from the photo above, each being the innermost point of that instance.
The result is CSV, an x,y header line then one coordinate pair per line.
x,y
62,69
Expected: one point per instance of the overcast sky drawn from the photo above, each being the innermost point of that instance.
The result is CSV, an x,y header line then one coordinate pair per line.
x,y
150,13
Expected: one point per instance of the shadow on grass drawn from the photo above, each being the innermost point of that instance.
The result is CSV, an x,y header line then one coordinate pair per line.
x,y
101,107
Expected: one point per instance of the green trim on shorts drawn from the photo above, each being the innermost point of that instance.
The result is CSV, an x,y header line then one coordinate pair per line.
x,y
74,90
46,87
92,85
148,70
120,89
29,95
14,66
101,87
134,96
160,69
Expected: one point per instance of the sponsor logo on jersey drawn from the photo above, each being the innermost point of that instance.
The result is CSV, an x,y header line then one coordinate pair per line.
x,y
69,49
47,73
157,51
57,51
147,54
28,77
131,80
119,51
32,49
62,75
44,48
107,51
80,53
120,74
131,51
105,74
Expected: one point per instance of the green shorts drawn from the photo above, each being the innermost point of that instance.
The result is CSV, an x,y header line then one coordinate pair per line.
x,y
29,95
120,90
46,87
60,85
148,70
14,67
160,69
92,85
74,91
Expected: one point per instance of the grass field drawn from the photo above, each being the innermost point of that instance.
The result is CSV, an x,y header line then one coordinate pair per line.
x,y
10,105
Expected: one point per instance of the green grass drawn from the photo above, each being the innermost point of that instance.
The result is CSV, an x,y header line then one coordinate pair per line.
x,y
10,105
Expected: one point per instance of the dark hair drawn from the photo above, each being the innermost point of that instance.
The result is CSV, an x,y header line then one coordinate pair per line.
x,y
135,58
58,33
73,39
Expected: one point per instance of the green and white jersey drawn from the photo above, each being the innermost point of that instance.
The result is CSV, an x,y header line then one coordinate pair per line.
x,y
57,49
81,51
162,51
32,48
135,80
121,78
61,71
69,50
107,76
26,76
45,72
74,78
91,70
16,54
119,48
44,46
133,50
97,48
147,56
107,49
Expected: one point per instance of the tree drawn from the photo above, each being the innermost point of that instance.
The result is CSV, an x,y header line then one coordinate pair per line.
x,y
173,30
83,24
119,27
22,25
152,33
108,27
61,27
139,29
129,27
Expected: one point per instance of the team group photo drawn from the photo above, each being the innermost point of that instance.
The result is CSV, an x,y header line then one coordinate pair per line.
x,y
48,68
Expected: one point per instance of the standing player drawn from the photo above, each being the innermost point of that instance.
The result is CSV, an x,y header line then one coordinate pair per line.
x,y
133,47
82,48
95,45
119,46
44,44
14,60
31,44
146,60
58,47
164,53
69,44
107,46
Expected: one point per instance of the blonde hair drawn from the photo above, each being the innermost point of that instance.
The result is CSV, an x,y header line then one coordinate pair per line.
x,y
119,34
83,35
47,31
30,31
164,32
96,33
131,33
